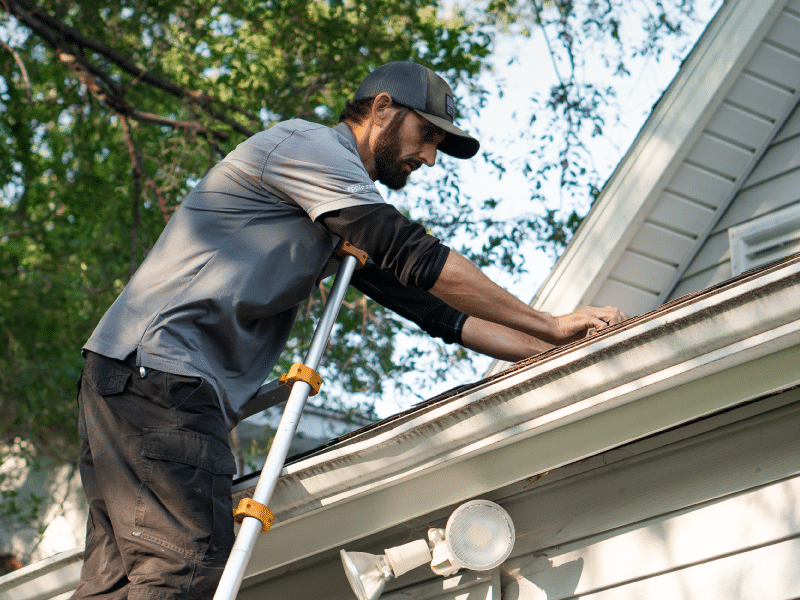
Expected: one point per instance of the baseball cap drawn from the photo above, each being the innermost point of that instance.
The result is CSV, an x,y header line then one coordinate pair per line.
x,y
422,90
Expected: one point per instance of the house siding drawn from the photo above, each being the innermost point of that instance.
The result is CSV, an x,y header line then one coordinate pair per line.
x,y
716,516
774,184
744,162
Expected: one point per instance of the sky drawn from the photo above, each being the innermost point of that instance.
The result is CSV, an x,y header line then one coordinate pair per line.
x,y
526,63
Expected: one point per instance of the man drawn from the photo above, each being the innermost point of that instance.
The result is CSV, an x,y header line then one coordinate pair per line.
x,y
173,362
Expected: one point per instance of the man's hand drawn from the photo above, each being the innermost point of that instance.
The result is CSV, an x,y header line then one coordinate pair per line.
x,y
576,325
503,326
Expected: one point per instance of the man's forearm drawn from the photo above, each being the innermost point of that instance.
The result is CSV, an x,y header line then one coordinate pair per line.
x,y
499,341
464,287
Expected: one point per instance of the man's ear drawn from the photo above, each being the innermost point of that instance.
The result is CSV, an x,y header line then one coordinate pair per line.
x,y
381,108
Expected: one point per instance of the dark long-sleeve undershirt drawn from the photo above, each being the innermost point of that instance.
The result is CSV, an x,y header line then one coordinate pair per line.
x,y
405,262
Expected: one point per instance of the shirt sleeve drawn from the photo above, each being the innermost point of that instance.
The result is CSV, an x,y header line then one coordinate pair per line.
x,y
316,168
392,241
431,314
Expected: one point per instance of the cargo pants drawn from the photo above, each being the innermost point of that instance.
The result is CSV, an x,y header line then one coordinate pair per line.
x,y
156,469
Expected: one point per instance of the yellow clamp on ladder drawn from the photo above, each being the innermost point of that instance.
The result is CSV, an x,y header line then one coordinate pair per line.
x,y
300,372
250,508
344,248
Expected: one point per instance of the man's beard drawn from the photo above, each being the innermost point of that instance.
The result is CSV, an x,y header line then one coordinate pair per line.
x,y
388,165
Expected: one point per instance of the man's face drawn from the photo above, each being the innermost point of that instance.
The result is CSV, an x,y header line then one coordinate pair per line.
x,y
407,142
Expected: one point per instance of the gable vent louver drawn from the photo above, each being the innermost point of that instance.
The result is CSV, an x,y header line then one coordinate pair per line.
x,y
764,240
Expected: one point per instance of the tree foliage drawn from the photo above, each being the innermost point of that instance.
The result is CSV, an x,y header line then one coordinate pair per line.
x,y
112,110
588,47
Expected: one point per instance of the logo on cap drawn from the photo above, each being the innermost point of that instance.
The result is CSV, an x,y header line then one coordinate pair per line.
x,y
449,106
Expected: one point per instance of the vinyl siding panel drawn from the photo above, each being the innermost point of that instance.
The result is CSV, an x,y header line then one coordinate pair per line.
x,y
661,243
772,185
768,573
703,279
791,128
781,158
720,156
716,251
465,586
681,215
643,271
777,66
759,97
784,33
759,200
698,551
739,126
696,520
698,183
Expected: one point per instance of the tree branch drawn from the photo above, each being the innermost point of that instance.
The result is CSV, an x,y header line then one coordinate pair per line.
x,y
30,14
26,81
86,74
175,124
136,160
317,84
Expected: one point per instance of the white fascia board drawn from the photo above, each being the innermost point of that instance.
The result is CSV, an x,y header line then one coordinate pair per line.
x,y
677,120
47,579
725,348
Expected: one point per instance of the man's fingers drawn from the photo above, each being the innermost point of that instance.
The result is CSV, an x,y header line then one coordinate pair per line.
x,y
610,315
599,318
588,321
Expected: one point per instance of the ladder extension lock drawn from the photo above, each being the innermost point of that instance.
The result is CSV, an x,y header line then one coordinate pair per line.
x,y
250,508
300,372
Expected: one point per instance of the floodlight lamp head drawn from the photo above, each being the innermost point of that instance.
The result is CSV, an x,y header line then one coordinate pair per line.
x,y
479,536
368,573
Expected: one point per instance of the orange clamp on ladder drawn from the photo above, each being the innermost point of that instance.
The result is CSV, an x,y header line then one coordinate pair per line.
x,y
300,372
253,513
345,249
250,508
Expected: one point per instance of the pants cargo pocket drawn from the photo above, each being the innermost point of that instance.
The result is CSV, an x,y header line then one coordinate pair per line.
x,y
184,502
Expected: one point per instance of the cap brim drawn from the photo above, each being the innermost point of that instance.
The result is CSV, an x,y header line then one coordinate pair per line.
x,y
457,142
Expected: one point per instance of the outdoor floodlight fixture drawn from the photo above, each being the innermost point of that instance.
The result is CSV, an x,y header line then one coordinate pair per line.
x,y
479,536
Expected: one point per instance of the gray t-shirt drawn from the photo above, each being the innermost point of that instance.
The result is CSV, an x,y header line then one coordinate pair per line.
x,y
217,295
